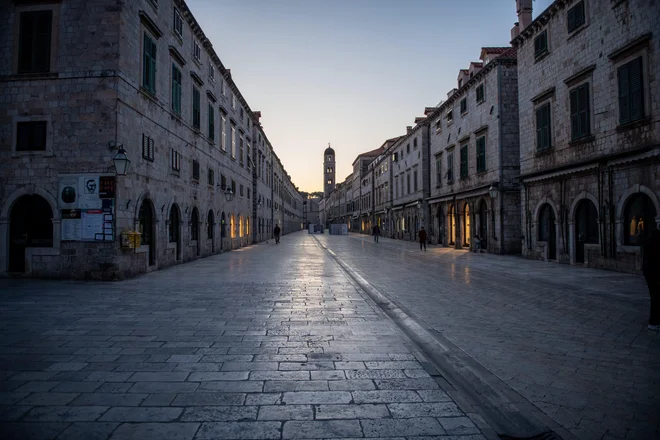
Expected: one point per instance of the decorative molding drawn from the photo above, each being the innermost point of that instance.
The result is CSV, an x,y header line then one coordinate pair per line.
x,y
579,75
177,55
547,93
632,45
150,24
196,78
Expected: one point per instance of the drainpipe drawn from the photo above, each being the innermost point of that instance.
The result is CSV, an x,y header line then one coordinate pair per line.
x,y
502,187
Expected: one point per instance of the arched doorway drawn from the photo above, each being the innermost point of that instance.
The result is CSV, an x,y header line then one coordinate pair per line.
x,y
547,230
586,227
147,229
467,231
30,225
175,229
194,229
451,236
639,219
482,227
210,224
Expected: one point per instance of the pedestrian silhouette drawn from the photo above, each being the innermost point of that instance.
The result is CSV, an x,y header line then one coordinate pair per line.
x,y
276,233
376,231
422,239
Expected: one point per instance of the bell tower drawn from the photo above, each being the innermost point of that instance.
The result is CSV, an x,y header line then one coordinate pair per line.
x,y
328,171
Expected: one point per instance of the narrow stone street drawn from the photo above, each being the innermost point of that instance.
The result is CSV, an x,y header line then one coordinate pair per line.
x,y
331,337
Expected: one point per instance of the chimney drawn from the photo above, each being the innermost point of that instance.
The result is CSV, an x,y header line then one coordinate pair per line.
x,y
524,9
408,129
515,30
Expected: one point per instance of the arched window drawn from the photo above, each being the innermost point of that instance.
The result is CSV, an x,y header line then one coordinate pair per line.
x,y
232,225
247,226
452,225
546,221
639,219
174,224
466,226
223,225
240,226
403,224
194,225
209,225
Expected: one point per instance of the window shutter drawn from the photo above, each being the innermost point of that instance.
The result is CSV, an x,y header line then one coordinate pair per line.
x,y
624,94
152,149
575,125
636,90
583,97
42,41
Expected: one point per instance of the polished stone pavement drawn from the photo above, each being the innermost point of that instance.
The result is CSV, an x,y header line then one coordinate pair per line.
x,y
292,341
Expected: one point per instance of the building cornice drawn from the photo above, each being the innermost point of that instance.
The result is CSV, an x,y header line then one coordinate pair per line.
x,y
540,22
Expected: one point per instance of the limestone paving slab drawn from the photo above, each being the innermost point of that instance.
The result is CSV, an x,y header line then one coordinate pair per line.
x,y
266,343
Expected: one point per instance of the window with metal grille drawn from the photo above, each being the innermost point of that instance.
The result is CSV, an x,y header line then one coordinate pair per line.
x,y
480,93
543,138
195,170
211,176
148,148
580,112
464,161
195,108
178,23
176,89
31,136
211,122
575,16
34,41
481,154
631,91
176,160
463,105
149,64
541,45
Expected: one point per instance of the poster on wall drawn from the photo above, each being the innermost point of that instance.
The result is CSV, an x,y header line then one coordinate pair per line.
x,y
71,225
87,206
89,193
68,192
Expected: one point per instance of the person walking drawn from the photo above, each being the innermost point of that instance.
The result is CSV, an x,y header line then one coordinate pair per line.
x,y
376,231
477,243
276,233
650,269
422,239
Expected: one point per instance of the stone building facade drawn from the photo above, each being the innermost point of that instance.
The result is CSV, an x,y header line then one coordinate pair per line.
x,y
474,152
150,81
590,134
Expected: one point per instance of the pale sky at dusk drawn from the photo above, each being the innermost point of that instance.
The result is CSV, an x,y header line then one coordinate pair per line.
x,y
350,72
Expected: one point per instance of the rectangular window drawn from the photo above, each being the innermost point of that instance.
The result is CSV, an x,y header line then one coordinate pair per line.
x,y
481,154
211,72
631,92
149,64
195,108
233,141
480,93
541,45
176,161
543,140
450,167
463,105
415,143
438,126
241,189
233,186
408,182
197,51
31,136
211,122
415,180
223,182
580,112
178,23
148,148
223,132
450,116
438,170
248,193
211,177
195,170
233,101
575,16
240,148
464,161
249,153
34,42
176,89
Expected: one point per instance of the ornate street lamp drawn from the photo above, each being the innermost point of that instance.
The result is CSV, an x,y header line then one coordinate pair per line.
x,y
120,160
229,194
493,191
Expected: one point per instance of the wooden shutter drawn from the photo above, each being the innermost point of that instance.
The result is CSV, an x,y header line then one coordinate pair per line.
x,y
575,126
636,89
624,94
34,41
